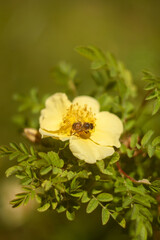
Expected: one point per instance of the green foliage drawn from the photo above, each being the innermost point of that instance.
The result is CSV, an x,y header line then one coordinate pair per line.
x,y
58,181
63,186
29,109
153,88
65,76
111,77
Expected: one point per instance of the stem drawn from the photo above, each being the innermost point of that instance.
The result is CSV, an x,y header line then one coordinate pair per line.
x,y
99,202
144,181
124,174
73,88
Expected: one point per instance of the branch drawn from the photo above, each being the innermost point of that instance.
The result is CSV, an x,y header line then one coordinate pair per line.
x,y
122,173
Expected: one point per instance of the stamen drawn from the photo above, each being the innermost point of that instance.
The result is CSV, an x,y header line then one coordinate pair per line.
x,y
78,115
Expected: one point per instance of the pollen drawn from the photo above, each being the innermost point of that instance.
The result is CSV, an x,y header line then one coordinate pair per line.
x,y
77,114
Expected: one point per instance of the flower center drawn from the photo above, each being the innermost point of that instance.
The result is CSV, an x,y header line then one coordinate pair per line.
x,y
79,121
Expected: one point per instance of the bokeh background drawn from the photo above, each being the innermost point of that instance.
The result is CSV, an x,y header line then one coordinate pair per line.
x,y
34,36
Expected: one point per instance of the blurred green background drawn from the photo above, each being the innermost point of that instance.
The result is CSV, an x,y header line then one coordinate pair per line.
x,y
34,36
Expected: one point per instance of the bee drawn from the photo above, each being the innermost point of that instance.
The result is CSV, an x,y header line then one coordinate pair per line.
x,y
88,126
78,127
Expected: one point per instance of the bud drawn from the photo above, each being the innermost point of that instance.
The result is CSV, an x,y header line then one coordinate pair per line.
x,y
32,134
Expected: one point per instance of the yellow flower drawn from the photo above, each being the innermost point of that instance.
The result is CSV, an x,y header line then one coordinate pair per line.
x,y
91,134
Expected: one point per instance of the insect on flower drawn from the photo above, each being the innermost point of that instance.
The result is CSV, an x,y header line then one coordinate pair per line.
x,y
92,134
82,129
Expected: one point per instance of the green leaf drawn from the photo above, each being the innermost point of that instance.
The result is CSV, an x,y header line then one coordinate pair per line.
x,y
151,96
32,151
78,194
138,146
44,156
156,107
44,207
14,146
122,88
26,200
139,226
130,124
122,223
46,170
83,174
134,140
75,184
70,215
156,141
56,170
120,189
13,155
28,171
12,170
92,53
16,202
99,80
149,228
70,175
85,197
101,165
135,189
105,215
38,198
22,157
96,191
146,137
95,65
150,86
127,202
54,205
23,148
155,186
145,212
105,197
20,176
61,209
119,219
130,153
46,185
21,195
112,65
141,200
26,181
150,150
92,205
40,163
135,212
143,233
57,195
55,160
115,158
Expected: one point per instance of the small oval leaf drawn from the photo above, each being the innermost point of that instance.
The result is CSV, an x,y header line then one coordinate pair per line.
x,y
105,215
147,137
105,197
44,207
92,205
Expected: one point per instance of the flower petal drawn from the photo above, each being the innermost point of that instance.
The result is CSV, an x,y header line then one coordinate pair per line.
x,y
87,150
51,116
53,135
89,101
107,130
